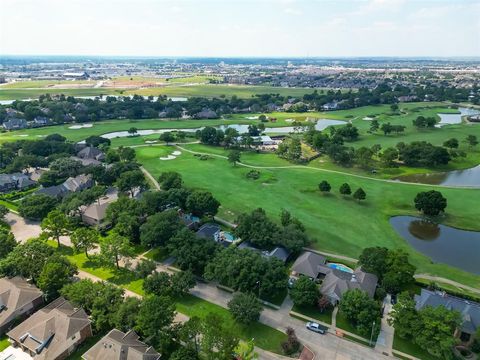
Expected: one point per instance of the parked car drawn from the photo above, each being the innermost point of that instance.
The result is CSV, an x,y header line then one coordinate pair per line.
x,y
316,327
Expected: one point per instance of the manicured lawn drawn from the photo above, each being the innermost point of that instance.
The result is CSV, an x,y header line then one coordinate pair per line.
x,y
335,224
22,93
4,343
412,349
265,337
157,254
344,324
314,313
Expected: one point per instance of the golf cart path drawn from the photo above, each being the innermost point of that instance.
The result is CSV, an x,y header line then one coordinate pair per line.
x,y
326,171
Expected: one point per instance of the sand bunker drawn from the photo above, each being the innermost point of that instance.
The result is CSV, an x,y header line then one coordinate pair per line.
x,y
289,120
251,117
169,157
368,118
176,153
76,127
23,135
151,141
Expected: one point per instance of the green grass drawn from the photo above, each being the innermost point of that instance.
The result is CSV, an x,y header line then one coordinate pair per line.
x,y
265,336
314,313
157,254
19,94
4,343
410,348
335,224
344,324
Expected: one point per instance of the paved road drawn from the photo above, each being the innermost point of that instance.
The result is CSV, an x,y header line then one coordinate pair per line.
x,y
446,281
22,229
384,342
326,347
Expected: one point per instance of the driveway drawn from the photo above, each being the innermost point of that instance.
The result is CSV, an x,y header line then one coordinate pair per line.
x,y
12,353
22,229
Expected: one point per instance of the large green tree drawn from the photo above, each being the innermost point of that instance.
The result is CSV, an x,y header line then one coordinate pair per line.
x,y
361,311
55,225
36,206
202,203
245,308
56,273
159,228
84,239
304,292
113,247
430,202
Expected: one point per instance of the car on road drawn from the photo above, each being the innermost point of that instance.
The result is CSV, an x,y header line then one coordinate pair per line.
x,y
316,327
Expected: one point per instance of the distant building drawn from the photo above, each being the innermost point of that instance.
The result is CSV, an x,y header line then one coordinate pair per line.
x,y
18,298
91,152
16,181
72,184
206,114
76,75
330,106
53,332
208,231
469,311
15,124
117,345
279,253
94,214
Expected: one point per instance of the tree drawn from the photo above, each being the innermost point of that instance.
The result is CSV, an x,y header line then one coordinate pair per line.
x,y
126,154
56,273
154,321
257,228
36,207
144,268
26,260
363,156
471,140
3,211
359,194
84,239
219,340
159,228
167,137
394,107
292,344
245,308
451,143
115,246
7,243
324,187
431,202
132,131
170,180
399,272
373,260
345,189
404,317
304,292
234,157
202,203
361,311
159,283
125,318
389,157
374,125
129,181
181,284
56,224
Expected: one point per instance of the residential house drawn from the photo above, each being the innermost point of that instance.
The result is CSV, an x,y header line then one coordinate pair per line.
x,y
18,298
117,345
16,181
15,124
53,332
311,264
337,282
330,106
92,153
208,231
190,221
94,214
72,184
469,311
40,121
206,114
249,246
279,253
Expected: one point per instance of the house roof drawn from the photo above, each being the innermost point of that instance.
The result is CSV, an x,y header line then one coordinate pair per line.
x,y
208,231
310,264
280,253
469,310
117,345
91,152
50,331
15,293
337,282
96,211
86,162
77,183
53,191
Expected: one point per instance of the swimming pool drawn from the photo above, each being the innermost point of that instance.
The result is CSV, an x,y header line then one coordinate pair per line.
x,y
340,267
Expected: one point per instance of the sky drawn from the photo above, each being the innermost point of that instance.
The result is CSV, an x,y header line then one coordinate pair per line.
x,y
241,28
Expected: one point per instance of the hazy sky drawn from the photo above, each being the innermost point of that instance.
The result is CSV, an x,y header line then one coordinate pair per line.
x,y
241,27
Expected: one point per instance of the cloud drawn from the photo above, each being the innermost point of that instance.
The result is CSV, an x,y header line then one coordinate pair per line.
x,y
292,11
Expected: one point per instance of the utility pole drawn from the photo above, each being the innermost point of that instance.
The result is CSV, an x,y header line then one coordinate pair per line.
x,y
371,336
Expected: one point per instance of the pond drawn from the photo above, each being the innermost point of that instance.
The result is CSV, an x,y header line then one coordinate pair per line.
x,y
448,119
467,178
441,243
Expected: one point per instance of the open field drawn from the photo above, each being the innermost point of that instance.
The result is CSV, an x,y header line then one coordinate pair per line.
x,y
19,94
335,224
45,83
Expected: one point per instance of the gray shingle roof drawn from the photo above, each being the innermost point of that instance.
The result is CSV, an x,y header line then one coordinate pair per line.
x,y
119,346
469,310
337,282
310,264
